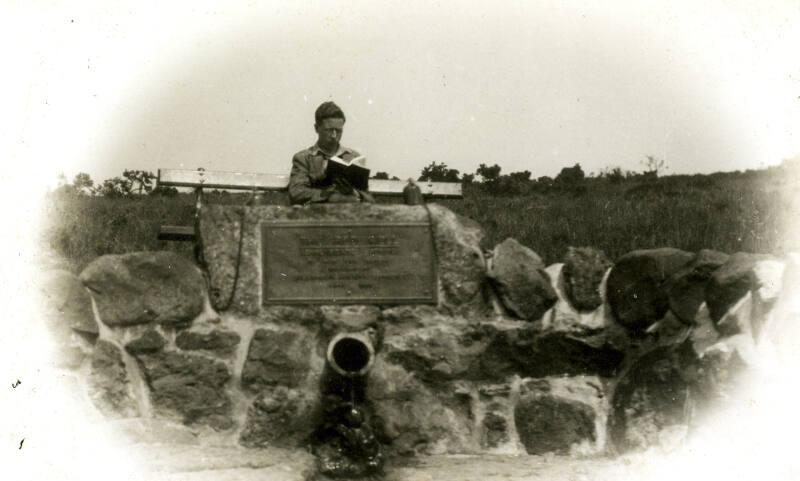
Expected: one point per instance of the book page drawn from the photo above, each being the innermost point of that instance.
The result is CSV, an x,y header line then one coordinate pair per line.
x,y
360,161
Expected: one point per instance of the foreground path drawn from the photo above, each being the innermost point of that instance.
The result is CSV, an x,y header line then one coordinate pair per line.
x,y
197,463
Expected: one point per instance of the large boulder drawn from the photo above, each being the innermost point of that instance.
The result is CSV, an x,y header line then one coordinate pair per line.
x,y
584,270
651,396
276,357
519,277
753,312
66,308
686,288
716,378
189,386
144,287
67,302
672,388
109,385
636,287
281,417
235,274
730,282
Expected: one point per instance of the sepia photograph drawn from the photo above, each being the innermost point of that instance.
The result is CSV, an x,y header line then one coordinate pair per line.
x,y
384,240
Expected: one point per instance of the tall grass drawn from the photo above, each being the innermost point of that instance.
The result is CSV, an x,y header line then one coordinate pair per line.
x,y
730,214
618,219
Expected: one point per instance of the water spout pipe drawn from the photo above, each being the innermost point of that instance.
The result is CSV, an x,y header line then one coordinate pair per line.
x,y
350,354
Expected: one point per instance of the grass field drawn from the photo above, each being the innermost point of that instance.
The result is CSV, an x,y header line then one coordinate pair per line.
x,y
753,212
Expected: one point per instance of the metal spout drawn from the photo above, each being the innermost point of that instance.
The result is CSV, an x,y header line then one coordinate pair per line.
x,y
350,354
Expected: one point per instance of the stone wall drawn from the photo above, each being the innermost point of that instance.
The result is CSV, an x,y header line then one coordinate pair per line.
x,y
584,356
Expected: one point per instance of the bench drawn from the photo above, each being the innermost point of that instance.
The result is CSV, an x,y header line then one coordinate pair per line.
x,y
200,179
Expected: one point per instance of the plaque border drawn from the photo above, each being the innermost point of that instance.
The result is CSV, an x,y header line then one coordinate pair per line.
x,y
434,280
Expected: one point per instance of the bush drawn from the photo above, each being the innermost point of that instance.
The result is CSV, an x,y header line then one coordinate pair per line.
x,y
614,175
438,172
570,175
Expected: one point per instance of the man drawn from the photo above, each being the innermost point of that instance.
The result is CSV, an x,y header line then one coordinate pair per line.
x,y
307,183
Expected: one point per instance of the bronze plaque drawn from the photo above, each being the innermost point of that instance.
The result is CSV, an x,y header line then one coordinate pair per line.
x,y
348,263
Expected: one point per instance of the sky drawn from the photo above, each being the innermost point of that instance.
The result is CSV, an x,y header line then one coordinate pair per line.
x,y
100,87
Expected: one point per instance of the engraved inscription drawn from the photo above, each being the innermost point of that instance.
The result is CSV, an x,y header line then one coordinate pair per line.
x,y
348,263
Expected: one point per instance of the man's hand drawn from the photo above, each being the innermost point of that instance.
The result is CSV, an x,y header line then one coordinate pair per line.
x,y
337,198
342,186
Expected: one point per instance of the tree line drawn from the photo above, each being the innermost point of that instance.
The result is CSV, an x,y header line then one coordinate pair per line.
x,y
488,178
132,182
491,180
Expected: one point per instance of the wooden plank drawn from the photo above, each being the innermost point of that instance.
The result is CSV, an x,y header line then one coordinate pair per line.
x,y
176,233
215,179
432,189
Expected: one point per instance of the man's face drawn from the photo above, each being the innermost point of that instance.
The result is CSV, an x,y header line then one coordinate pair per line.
x,y
329,133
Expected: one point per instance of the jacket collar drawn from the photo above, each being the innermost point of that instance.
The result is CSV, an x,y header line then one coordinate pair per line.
x,y
314,149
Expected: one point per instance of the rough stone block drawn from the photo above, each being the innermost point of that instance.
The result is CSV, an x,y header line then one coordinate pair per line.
x,y
561,414
109,384
281,417
596,339
412,418
462,268
436,353
548,423
495,427
71,355
350,318
276,357
190,386
144,287
529,351
67,302
217,342
520,280
584,269
66,308
636,286
149,342
307,316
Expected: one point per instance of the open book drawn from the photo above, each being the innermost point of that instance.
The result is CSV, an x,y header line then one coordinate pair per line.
x,y
353,171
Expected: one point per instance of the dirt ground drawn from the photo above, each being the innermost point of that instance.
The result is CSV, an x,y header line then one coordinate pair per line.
x,y
196,463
